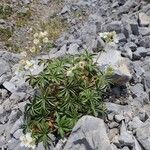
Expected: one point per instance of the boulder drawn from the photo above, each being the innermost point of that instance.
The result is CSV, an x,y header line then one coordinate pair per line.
x,y
112,58
88,133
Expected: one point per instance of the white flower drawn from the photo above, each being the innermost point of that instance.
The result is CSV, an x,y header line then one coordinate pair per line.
x,y
33,49
28,64
45,40
35,35
36,41
23,54
82,64
43,34
27,141
70,73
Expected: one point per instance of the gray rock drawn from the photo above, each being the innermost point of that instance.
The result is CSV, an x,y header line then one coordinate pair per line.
x,y
131,45
125,138
3,93
116,108
144,31
140,52
136,145
4,67
121,38
18,134
110,116
10,86
65,9
73,49
116,142
127,52
144,41
143,135
113,58
40,147
144,20
134,27
119,117
89,133
113,125
13,143
113,26
125,148
112,133
135,123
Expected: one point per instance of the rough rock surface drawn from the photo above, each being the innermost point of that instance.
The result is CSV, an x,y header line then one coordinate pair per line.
x,y
89,133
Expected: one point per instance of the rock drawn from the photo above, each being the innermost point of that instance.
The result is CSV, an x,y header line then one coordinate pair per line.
x,y
13,143
139,94
116,142
135,123
125,148
113,26
134,27
144,20
73,49
131,45
40,147
112,133
3,93
125,138
65,9
112,58
60,144
10,86
88,133
110,116
18,134
121,38
115,108
113,125
144,41
140,52
143,135
119,117
144,31
4,67
127,52
136,145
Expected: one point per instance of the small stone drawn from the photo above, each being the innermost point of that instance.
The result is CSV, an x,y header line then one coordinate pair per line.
x,y
65,9
125,138
113,125
116,142
134,27
18,134
144,20
73,49
125,148
112,133
131,45
121,38
119,117
110,116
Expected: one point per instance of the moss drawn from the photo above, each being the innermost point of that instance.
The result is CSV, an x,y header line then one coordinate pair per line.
x,y
5,33
55,27
5,11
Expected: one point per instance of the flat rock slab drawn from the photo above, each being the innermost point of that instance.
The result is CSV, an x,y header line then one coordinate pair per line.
x,y
88,134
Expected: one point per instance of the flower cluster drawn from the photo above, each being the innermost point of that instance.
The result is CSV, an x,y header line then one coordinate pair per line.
x,y
80,65
39,40
28,141
109,37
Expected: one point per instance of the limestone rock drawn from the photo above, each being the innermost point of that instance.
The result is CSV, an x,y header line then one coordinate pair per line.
x,y
89,133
